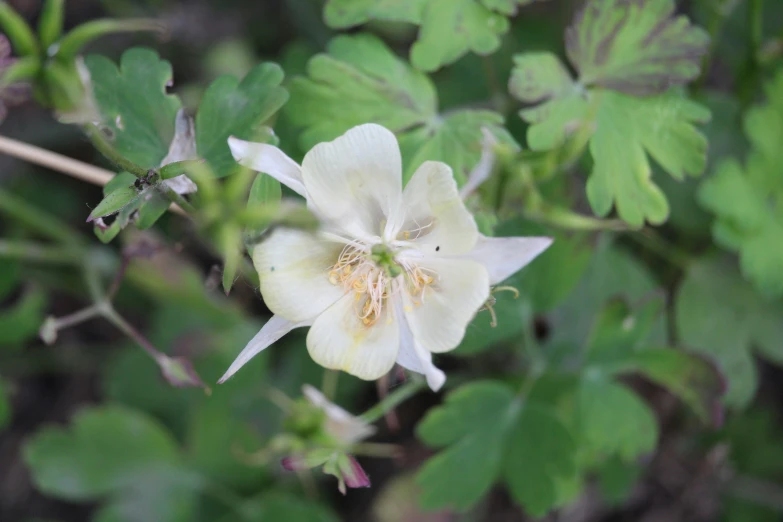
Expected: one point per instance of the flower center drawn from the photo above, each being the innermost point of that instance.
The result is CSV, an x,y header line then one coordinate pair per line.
x,y
370,276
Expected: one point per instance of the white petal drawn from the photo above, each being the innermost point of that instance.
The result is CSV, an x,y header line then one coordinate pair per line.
x,y
355,181
439,315
339,340
182,184
339,423
268,159
183,145
272,331
293,268
435,216
415,358
504,256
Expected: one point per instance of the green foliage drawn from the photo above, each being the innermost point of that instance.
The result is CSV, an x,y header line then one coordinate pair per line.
x,y
20,318
719,314
134,104
748,201
491,435
5,405
239,109
360,80
449,28
107,449
645,53
635,47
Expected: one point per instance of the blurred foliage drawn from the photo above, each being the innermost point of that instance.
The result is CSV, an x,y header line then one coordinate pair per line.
x,y
660,289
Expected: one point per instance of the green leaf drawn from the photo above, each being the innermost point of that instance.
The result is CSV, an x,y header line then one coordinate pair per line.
x,y
748,202
540,455
471,423
361,81
613,420
21,321
488,434
281,506
604,45
265,190
121,180
239,109
612,272
454,140
113,202
341,14
720,315
134,104
694,379
5,405
624,131
451,28
636,47
106,449
153,205
620,343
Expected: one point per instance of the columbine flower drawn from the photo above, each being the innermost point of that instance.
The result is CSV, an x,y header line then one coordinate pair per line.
x,y
393,276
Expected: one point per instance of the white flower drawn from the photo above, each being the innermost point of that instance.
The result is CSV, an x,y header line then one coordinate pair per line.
x,y
393,276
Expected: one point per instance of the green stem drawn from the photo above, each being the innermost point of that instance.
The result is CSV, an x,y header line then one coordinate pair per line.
x,y
37,220
398,396
329,384
100,142
40,253
651,240
178,199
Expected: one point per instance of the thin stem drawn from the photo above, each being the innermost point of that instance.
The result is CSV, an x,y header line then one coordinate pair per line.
x,y
36,219
100,142
648,238
398,396
40,253
110,314
78,317
57,162
45,158
179,204
374,449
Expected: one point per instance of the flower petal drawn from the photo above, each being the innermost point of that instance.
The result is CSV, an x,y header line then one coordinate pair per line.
x,y
436,219
272,331
415,358
293,268
340,424
339,340
268,159
504,256
355,181
439,315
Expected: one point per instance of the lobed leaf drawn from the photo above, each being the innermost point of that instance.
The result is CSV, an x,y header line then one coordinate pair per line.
x,y
360,80
622,50
106,449
720,315
637,47
134,104
488,435
237,108
748,201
